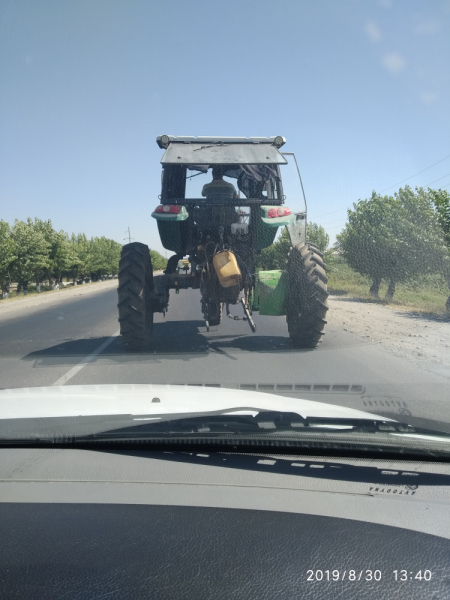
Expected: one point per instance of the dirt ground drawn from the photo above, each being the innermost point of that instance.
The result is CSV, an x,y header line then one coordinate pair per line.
x,y
416,336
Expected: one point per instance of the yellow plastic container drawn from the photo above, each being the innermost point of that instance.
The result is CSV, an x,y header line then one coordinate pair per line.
x,y
227,269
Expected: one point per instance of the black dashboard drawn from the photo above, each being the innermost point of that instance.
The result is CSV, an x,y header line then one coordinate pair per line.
x,y
137,524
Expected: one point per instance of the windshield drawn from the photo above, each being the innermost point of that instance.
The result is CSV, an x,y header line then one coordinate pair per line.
x,y
250,181
310,264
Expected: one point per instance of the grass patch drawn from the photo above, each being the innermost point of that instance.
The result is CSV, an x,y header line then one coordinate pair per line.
x,y
428,295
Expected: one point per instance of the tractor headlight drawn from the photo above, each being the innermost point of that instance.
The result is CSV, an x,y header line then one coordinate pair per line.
x,y
279,141
165,141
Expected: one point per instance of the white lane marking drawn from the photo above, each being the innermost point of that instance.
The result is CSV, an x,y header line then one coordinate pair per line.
x,y
74,370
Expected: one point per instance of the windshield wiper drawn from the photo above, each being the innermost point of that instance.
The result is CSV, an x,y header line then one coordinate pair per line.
x,y
239,428
240,422
235,423
281,430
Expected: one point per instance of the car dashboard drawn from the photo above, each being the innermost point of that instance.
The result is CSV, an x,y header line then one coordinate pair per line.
x,y
138,523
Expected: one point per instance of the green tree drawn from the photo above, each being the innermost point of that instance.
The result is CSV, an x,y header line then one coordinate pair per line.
x,y
113,254
159,263
441,202
393,238
317,235
64,257
7,256
32,249
73,259
31,252
275,256
61,253
85,258
45,228
99,262
105,256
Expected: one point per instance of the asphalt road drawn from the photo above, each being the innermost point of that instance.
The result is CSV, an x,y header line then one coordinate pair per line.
x,y
77,343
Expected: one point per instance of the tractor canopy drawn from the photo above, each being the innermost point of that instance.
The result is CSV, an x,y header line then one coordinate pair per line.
x,y
222,153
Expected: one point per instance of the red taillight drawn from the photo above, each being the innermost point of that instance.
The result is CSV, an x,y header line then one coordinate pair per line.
x,y
274,213
168,208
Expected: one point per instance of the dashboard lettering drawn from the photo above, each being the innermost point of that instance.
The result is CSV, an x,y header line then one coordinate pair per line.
x,y
401,490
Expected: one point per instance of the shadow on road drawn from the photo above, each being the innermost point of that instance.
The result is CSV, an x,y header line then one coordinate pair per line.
x,y
419,316
171,340
254,343
379,301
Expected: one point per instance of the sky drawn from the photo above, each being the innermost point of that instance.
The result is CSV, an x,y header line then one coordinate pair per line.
x,y
359,88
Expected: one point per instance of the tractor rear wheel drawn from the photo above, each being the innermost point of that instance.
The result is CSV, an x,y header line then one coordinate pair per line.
x,y
135,293
307,300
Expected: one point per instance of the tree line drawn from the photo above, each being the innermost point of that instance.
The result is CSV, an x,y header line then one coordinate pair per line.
x,y
33,251
394,238
398,238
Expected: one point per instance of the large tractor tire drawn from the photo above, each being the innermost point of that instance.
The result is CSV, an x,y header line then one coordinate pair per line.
x,y
307,300
135,296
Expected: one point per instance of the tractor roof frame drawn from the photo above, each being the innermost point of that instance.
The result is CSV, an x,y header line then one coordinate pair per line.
x,y
163,141
212,151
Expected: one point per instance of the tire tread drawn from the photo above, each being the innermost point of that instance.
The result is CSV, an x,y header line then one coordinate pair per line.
x,y
307,301
135,295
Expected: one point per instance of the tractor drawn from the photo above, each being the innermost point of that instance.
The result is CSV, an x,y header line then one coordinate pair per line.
x,y
219,227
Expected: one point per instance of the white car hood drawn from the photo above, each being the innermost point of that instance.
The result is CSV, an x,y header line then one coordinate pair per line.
x,y
154,400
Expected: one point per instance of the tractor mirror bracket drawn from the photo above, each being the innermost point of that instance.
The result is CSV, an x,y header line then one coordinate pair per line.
x,y
297,229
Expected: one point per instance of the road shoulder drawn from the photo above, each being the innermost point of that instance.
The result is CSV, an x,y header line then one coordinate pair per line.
x,y
45,299
419,337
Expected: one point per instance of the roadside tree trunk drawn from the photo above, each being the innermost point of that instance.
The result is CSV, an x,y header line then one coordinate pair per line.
x,y
50,278
19,287
38,283
375,287
391,290
6,286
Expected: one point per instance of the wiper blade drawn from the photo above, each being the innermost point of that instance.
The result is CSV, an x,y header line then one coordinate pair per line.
x,y
243,428
238,425
246,421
